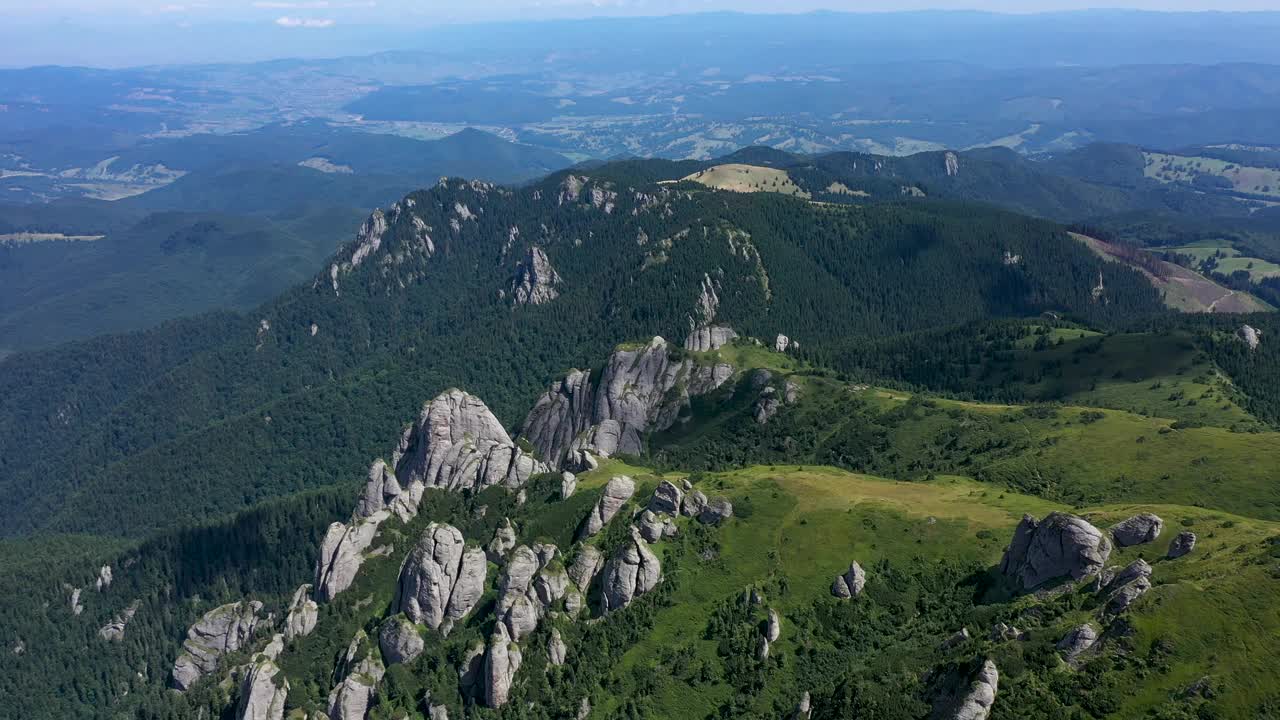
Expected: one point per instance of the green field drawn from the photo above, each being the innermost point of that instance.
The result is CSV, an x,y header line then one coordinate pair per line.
x,y
1230,260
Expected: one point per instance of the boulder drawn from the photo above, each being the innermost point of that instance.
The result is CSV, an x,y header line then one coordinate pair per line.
x,y
104,578
1129,584
1137,530
400,641
1060,546
1250,336
222,630
556,649
616,494
504,541
781,343
716,512
773,629
458,444
586,565
260,697
568,485
1077,642
694,503
633,571
667,498
441,579
762,648
1001,632
651,526
342,552
1182,545
709,338
501,663
804,708
976,703
850,584
303,614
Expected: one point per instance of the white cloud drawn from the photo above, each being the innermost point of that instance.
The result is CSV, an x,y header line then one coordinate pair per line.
x,y
297,22
311,4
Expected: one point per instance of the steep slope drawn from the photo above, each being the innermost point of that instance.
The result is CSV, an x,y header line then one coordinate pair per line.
x,y
425,299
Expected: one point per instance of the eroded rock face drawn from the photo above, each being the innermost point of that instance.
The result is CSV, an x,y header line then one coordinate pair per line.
x,y
380,491
222,630
504,541
1182,545
442,579
342,553
667,498
260,698
535,281
532,583
568,485
1060,546
1250,336
303,614
767,405
616,494
709,337
400,640
458,444
1137,530
850,583
358,673
557,651
976,703
641,390
1077,642
585,566
633,571
501,663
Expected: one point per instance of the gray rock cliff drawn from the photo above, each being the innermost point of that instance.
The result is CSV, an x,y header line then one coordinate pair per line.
x,y
1059,546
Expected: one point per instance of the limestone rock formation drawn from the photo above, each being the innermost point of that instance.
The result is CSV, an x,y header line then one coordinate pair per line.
x,y
709,337
1250,336
458,444
114,630
641,390
633,571
535,281
1059,546
1128,585
343,552
666,498
1077,642
1182,545
557,651
260,697
1139,529
358,674
400,641
380,491
220,631
715,512
501,663
851,583
442,579
303,614
976,703
616,494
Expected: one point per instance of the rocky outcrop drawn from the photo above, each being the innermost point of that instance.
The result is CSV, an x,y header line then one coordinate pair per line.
x,y
767,405
1077,642
1128,585
1059,546
1139,529
114,630
533,582
343,552
380,493
782,343
975,704
557,651
260,697
616,494
1182,545
952,163
104,578
715,512
442,579
694,503
666,498
956,639
1001,632
654,528
773,628
641,390
851,583
535,281
709,338
303,614
358,674
222,630
501,663
1250,336
503,542
633,571
400,641
458,444
471,671
76,606
804,708
568,485
586,566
